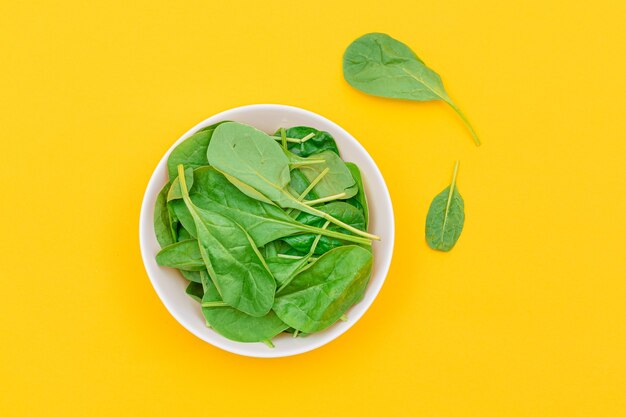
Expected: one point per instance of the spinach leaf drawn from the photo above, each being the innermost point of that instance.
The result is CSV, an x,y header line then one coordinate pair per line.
x,y
162,222
343,211
263,222
337,180
360,199
318,296
184,255
253,161
191,152
380,65
195,291
445,218
232,259
320,141
237,325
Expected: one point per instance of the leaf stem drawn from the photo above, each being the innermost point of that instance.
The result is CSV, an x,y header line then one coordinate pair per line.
x,y
283,137
324,199
285,256
292,140
339,223
268,343
467,123
450,193
214,304
307,162
307,137
295,333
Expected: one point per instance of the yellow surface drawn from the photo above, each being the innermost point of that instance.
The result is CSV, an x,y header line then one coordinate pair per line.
x,y
525,317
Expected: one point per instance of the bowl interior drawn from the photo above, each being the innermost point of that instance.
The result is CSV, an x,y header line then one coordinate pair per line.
x,y
170,285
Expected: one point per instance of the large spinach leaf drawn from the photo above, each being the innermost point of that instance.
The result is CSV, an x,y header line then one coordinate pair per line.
x,y
343,211
258,163
237,325
446,217
264,222
318,297
232,259
380,65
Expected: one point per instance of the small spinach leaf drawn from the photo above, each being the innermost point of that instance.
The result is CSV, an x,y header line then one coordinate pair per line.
x,y
446,217
318,297
162,221
380,65
338,180
184,255
237,325
360,199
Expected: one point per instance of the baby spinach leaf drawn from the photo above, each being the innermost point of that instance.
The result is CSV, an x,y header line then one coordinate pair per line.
x,y
338,180
380,65
263,222
183,255
237,325
321,141
162,221
191,152
254,159
338,209
195,291
360,199
445,218
318,297
232,259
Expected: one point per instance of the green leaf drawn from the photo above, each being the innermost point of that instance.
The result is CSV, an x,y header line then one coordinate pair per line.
x,y
183,255
191,152
237,325
232,260
380,65
257,161
360,199
446,217
263,222
338,180
338,209
321,141
162,220
318,297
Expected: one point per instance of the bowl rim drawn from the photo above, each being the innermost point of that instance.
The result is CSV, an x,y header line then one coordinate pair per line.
x,y
146,227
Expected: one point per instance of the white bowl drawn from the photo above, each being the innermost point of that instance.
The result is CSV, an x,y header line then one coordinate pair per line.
x,y
170,285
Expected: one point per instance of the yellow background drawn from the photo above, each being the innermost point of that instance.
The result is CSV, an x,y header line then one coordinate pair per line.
x,y
525,317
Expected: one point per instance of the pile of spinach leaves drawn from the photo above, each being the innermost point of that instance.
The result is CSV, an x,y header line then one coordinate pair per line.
x,y
270,231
